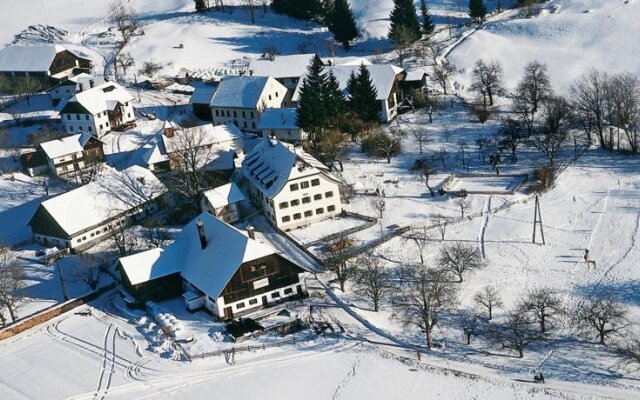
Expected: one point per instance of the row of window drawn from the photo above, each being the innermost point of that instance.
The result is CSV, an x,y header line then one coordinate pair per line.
x,y
221,113
275,295
307,214
305,200
304,185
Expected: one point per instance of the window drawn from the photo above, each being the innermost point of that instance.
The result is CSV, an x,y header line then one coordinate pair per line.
x,y
71,128
68,116
297,216
308,214
253,125
106,124
315,182
92,234
77,116
328,194
319,211
306,200
283,205
128,115
331,208
84,238
240,305
86,117
295,203
245,124
217,113
304,184
293,187
90,129
251,114
317,196
100,126
228,113
235,114
269,97
276,94
275,295
286,218
288,291
244,114
253,301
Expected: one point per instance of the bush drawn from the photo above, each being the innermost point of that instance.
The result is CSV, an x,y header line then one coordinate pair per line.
x,y
544,179
381,145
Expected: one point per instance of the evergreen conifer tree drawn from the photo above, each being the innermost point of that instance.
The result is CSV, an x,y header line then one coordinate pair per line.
x,y
427,24
404,22
333,100
477,10
363,95
310,113
200,5
342,24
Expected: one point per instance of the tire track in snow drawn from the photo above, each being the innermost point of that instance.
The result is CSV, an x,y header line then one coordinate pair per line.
x,y
485,220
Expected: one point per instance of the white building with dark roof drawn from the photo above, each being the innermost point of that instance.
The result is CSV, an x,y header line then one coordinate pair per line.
x,y
98,110
49,64
213,265
223,202
80,218
282,123
386,79
291,187
241,100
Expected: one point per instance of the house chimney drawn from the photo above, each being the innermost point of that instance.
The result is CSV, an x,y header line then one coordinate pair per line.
x,y
168,131
91,83
201,233
251,231
250,72
81,87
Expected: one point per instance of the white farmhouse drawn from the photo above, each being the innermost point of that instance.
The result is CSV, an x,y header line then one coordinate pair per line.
x,y
290,186
73,85
282,124
241,100
213,265
98,110
285,69
80,218
222,202
386,79
72,154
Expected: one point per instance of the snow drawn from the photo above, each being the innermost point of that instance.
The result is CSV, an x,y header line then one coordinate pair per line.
x,y
241,92
102,97
279,118
285,66
567,39
28,58
484,183
64,146
224,195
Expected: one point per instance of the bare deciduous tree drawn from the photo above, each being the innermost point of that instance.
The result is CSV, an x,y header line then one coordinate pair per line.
x,y
425,169
421,136
337,258
426,295
470,324
488,298
124,18
379,205
157,234
251,8
556,116
463,205
371,279
11,284
441,225
420,238
588,96
534,87
624,96
125,61
460,258
603,316
544,306
517,333
487,79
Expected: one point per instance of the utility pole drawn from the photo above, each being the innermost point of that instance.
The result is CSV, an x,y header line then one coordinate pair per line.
x,y
537,220
65,295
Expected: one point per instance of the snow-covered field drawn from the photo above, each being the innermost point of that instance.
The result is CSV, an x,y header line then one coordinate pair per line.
x,y
570,36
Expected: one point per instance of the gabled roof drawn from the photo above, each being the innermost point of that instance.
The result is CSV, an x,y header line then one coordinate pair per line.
x,y
241,91
207,135
209,269
20,58
279,118
383,77
290,66
98,99
202,94
224,195
271,164
65,146
109,195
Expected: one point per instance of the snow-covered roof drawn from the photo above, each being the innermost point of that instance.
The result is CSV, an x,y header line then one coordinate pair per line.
x,y
224,195
415,75
241,91
209,269
279,118
101,98
226,135
20,58
271,164
383,77
65,146
155,154
352,60
290,66
202,94
109,195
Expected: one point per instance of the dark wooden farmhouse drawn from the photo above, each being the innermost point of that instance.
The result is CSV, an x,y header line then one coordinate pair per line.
x,y
216,266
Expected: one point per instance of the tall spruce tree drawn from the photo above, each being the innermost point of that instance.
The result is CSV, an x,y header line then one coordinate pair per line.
x,y
404,22
427,25
477,10
342,24
333,100
363,95
200,5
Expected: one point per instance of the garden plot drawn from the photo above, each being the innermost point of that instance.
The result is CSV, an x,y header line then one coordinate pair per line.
x,y
318,230
484,184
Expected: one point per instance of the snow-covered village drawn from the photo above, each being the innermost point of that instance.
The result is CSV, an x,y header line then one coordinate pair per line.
x,y
319,199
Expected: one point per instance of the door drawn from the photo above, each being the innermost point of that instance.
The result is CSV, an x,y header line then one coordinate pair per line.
x,y
265,302
228,313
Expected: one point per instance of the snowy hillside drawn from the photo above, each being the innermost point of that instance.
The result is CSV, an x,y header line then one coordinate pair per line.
x,y
570,36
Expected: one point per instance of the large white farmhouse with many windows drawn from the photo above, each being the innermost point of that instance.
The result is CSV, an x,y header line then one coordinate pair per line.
x,y
98,110
240,100
292,188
